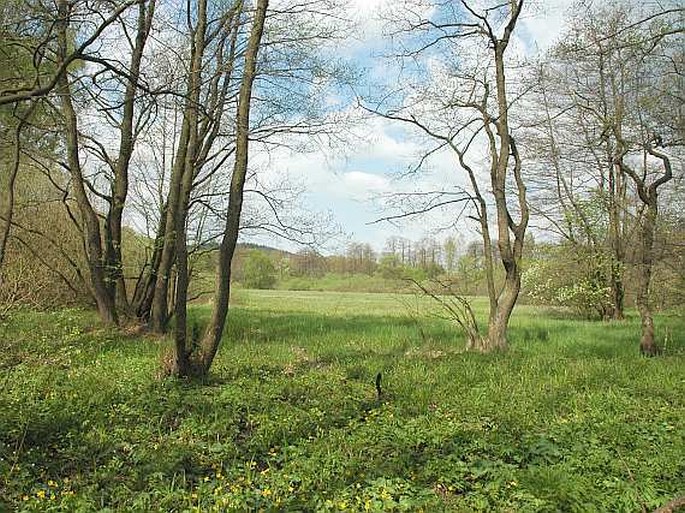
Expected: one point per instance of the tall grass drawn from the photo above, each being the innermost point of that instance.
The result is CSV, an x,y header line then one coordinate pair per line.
x,y
571,418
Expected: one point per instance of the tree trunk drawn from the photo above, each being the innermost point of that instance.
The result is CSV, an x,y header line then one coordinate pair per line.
x,y
617,192
89,218
181,249
499,322
617,291
649,196
159,315
212,337
196,140
648,345
8,207
113,225
510,251
141,304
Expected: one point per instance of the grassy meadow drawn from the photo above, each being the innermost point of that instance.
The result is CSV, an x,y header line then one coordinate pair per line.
x,y
571,418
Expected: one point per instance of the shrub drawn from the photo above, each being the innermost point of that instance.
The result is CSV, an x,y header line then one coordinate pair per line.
x,y
572,278
259,271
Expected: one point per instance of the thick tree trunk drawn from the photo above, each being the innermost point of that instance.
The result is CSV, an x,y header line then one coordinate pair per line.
x,y
212,337
89,218
499,322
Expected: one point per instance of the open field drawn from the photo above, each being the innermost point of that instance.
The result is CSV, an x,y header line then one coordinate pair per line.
x,y
571,418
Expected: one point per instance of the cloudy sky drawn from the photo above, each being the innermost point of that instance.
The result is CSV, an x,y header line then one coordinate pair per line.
x,y
352,181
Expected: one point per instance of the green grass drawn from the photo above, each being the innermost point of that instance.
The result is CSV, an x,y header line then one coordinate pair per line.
x,y
571,418
335,282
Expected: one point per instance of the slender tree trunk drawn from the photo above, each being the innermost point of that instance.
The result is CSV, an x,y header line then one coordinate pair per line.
x,y
617,253
141,304
510,251
182,351
7,212
159,315
113,225
649,196
195,143
212,337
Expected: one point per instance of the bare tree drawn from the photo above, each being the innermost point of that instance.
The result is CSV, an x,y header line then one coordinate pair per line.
x,y
473,103
214,331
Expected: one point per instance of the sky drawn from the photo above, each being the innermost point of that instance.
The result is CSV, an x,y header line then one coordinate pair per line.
x,y
352,181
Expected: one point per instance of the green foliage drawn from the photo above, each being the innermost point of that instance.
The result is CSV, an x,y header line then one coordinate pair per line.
x,y
390,267
570,277
259,271
567,420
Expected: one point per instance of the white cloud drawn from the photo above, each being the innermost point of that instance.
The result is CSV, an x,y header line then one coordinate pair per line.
x,y
544,25
359,184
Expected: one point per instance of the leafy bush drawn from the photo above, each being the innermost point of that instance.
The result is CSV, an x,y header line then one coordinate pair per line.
x,y
564,276
259,271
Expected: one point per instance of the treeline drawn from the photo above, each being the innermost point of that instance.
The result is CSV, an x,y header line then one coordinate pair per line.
x,y
562,274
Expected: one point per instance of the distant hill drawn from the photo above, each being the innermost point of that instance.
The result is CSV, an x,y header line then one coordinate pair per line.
x,y
244,247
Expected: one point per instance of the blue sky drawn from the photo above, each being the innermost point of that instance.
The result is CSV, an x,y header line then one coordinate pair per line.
x,y
351,180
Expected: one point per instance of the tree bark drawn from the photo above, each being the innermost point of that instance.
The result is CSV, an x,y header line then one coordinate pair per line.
x,y
649,196
113,224
89,218
212,337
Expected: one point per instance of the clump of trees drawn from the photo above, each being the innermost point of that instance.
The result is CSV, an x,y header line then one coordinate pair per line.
x,y
154,134
609,127
259,271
